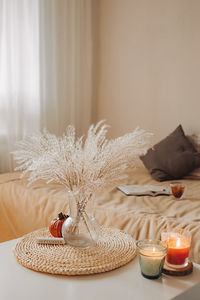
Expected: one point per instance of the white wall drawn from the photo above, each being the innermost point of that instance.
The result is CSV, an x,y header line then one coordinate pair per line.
x,y
149,65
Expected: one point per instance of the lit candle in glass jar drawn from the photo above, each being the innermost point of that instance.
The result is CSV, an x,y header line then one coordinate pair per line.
x,y
151,257
178,248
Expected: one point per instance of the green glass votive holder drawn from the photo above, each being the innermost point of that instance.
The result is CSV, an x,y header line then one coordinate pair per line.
x,y
151,257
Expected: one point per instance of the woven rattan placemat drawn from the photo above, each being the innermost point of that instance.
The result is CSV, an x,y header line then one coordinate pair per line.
x,y
113,250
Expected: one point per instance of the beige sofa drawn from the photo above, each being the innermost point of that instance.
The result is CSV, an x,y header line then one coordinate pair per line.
x,y
24,209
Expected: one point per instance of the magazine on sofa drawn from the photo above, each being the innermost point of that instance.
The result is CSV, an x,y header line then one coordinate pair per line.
x,y
144,190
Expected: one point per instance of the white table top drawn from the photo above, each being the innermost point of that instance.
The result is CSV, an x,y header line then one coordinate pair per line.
x,y
17,282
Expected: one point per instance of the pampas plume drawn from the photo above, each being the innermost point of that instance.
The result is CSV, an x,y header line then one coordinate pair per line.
x,y
82,165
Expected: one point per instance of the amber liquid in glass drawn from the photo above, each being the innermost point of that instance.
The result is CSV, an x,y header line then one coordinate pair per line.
x,y
177,191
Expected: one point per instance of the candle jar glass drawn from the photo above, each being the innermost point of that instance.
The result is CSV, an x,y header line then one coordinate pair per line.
x,y
178,248
151,257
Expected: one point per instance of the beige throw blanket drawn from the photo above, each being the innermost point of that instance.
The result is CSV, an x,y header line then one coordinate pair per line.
x,y
24,209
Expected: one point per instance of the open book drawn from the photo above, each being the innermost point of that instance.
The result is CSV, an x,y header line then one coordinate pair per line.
x,y
144,190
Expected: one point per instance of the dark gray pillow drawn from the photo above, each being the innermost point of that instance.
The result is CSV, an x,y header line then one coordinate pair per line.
x,y
172,158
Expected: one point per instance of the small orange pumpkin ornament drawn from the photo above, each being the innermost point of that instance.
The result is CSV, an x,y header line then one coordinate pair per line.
x,y
55,227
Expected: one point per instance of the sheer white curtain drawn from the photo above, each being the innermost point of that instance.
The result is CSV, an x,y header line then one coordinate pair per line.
x,y
46,69
19,69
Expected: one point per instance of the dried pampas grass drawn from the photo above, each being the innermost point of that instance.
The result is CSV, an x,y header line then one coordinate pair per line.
x,y
82,165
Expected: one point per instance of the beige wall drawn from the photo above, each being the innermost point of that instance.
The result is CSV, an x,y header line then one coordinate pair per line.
x,y
149,65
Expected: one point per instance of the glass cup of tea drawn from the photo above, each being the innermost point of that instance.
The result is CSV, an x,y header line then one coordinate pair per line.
x,y
177,189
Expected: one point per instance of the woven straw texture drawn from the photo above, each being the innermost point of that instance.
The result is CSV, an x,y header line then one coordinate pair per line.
x,y
113,250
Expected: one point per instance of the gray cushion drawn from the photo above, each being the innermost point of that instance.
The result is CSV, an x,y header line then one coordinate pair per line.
x,y
172,158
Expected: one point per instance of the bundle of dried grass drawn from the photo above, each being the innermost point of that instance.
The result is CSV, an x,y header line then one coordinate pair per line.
x,y
82,165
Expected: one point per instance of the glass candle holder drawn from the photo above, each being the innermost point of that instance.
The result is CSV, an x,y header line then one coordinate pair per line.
x,y
178,248
177,189
151,257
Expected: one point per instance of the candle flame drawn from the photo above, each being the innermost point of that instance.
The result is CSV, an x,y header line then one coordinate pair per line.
x,y
154,249
178,242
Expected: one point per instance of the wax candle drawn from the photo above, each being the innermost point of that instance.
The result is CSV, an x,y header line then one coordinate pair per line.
x,y
178,248
151,257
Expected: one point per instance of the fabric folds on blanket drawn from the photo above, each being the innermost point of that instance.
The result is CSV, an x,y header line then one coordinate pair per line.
x,y
24,209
